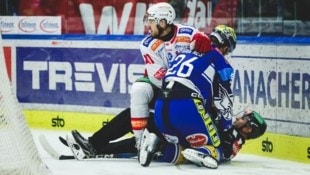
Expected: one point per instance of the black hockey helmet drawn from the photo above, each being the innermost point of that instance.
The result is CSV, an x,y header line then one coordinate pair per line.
x,y
222,36
258,124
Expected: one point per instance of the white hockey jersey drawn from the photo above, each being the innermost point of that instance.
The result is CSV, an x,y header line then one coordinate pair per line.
x,y
158,54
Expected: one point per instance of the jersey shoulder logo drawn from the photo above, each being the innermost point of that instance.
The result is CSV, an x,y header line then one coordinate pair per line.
x,y
186,30
146,42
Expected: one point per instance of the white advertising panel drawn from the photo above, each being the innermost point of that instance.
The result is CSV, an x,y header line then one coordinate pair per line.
x,y
42,25
275,81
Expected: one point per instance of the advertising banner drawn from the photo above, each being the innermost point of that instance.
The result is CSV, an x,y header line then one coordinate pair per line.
x,y
42,25
96,76
77,76
274,80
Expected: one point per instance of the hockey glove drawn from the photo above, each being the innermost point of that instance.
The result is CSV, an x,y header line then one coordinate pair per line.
x,y
202,42
232,142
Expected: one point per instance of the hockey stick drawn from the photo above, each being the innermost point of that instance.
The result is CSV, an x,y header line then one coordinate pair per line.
x,y
51,151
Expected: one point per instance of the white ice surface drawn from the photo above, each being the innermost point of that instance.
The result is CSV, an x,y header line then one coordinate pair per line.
x,y
243,164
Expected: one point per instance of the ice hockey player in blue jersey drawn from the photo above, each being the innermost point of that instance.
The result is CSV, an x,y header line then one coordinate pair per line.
x,y
182,109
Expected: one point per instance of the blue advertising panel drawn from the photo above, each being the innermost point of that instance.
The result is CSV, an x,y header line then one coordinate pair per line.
x,y
76,76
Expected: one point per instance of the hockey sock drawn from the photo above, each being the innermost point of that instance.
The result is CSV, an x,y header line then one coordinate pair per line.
x,y
116,128
122,146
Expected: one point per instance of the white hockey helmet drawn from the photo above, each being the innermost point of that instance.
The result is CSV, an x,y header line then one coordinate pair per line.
x,y
161,11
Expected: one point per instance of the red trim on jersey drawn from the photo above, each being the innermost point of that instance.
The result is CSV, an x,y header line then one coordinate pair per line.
x,y
175,33
138,123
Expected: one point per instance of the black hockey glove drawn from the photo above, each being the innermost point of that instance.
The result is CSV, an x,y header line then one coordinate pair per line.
x,y
232,142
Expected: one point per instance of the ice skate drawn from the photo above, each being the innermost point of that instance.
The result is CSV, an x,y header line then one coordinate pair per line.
x,y
200,158
87,147
148,146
